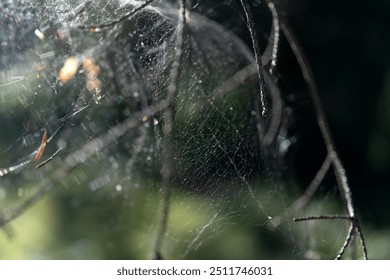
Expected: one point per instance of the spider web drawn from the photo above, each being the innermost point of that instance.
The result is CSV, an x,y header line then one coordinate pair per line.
x,y
94,76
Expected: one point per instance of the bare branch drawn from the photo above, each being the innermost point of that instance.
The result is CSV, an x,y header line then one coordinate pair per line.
x,y
99,27
346,242
275,36
267,138
307,195
339,170
361,238
276,117
322,217
14,212
168,167
256,49
240,77
48,159
82,155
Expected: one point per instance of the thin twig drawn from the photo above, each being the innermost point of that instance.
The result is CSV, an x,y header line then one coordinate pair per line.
x,y
256,49
48,159
275,36
78,10
168,167
361,238
267,138
232,82
14,212
347,241
83,154
240,77
321,119
99,27
338,168
307,195
322,217
277,105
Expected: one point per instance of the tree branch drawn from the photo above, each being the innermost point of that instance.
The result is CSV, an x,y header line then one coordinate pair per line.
x,y
168,166
256,48
338,168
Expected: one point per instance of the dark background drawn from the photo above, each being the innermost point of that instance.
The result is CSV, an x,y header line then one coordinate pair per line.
x,y
347,45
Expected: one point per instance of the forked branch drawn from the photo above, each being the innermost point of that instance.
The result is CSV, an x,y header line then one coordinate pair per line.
x,y
337,165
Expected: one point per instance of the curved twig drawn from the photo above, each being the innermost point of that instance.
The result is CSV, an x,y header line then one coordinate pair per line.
x,y
275,36
351,231
307,195
256,48
100,27
338,168
276,117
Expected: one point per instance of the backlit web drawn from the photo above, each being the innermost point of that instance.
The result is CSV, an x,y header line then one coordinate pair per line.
x,y
156,145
